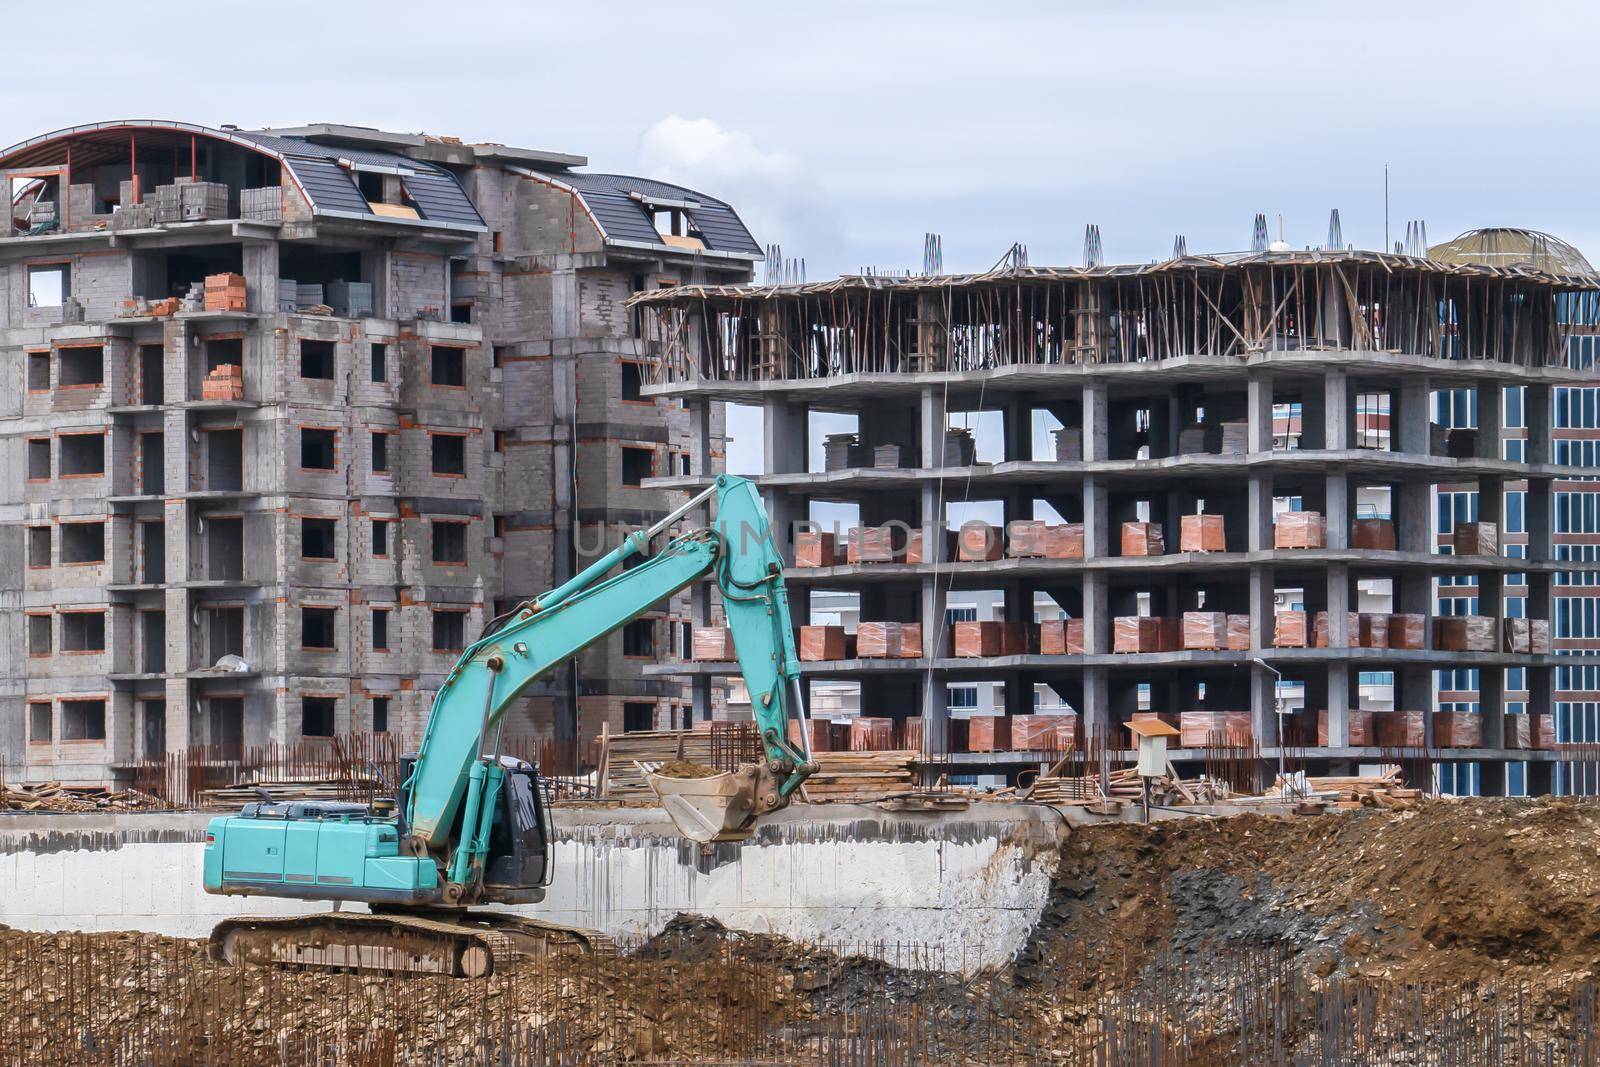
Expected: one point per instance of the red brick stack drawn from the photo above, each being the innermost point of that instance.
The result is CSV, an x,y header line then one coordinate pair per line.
x,y
225,382
225,292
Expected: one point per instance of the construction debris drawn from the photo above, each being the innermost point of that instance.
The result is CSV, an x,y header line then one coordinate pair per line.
x,y
55,797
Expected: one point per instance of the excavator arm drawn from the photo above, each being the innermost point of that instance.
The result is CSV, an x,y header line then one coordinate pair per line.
x,y
453,785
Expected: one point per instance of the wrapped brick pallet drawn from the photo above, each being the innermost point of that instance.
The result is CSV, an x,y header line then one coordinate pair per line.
x,y
1069,445
1025,539
1290,630
871,735
1061,637
1517,732
989,733
1542,731
974,639
1137,633
1201,533
1373,630
916,550
1205,630
813,548
1300,529
1476,539
1064,541
889,640
1372,534
713,644
978,541
1238,633
1539,637
1357,722
1465,633
821,730
875,544
1517,636
1457,729
1213,729
820,643
1143,539
1408,631
1398,729
1036,733
1352,630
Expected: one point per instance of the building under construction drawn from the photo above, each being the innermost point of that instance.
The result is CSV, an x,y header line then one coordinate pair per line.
x,y
294,413
1311,503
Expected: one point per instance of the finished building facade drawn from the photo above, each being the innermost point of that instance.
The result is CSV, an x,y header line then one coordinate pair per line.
x,y
1282,407
290,415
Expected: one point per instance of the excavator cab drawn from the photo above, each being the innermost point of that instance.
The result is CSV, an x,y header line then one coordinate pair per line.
x,y
517,869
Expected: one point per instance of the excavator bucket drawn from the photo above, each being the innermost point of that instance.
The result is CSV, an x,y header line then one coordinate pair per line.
x,y
717,808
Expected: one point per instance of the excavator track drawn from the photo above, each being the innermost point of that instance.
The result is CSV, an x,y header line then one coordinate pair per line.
x,y
457,944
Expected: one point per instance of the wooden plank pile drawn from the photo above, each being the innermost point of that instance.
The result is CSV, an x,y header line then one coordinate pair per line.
x,y
55,797
1370,791
1126,787
621,778
859,777
291,789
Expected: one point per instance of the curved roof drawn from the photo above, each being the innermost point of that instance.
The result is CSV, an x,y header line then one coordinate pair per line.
x,y
617,205
319,170
1504,246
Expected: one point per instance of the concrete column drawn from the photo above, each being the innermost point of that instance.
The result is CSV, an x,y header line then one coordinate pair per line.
x,y
1536,409
700,437
1492,708
1096,614
1412,510
1019,430
1263,607
1259,534
1097,714
1492,501
700,684
783,452
783,437
1339,635
1491,398
260,262
1258,413
1336,507
1096,423
1336,414
1537,509
1264,706
1341,695
1414,414
1097,531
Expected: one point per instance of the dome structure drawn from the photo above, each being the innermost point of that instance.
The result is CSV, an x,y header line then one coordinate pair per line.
x,y
1504,246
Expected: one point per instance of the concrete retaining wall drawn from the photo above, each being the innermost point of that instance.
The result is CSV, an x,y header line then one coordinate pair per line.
x,y
971,882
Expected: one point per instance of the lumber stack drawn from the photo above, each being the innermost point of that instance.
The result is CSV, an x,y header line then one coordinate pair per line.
x,y
621,777
1369,791
55,797
289,789
859,777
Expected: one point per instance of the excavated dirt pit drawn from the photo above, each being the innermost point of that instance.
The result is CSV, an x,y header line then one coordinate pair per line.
x,y
1451,933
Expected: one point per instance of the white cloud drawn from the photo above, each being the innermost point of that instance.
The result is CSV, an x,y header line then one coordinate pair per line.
x,y
780,199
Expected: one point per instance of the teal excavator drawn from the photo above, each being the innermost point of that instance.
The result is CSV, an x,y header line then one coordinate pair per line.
x,y
470,826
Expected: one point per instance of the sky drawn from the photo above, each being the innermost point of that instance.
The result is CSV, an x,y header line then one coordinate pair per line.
x,y
845,132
